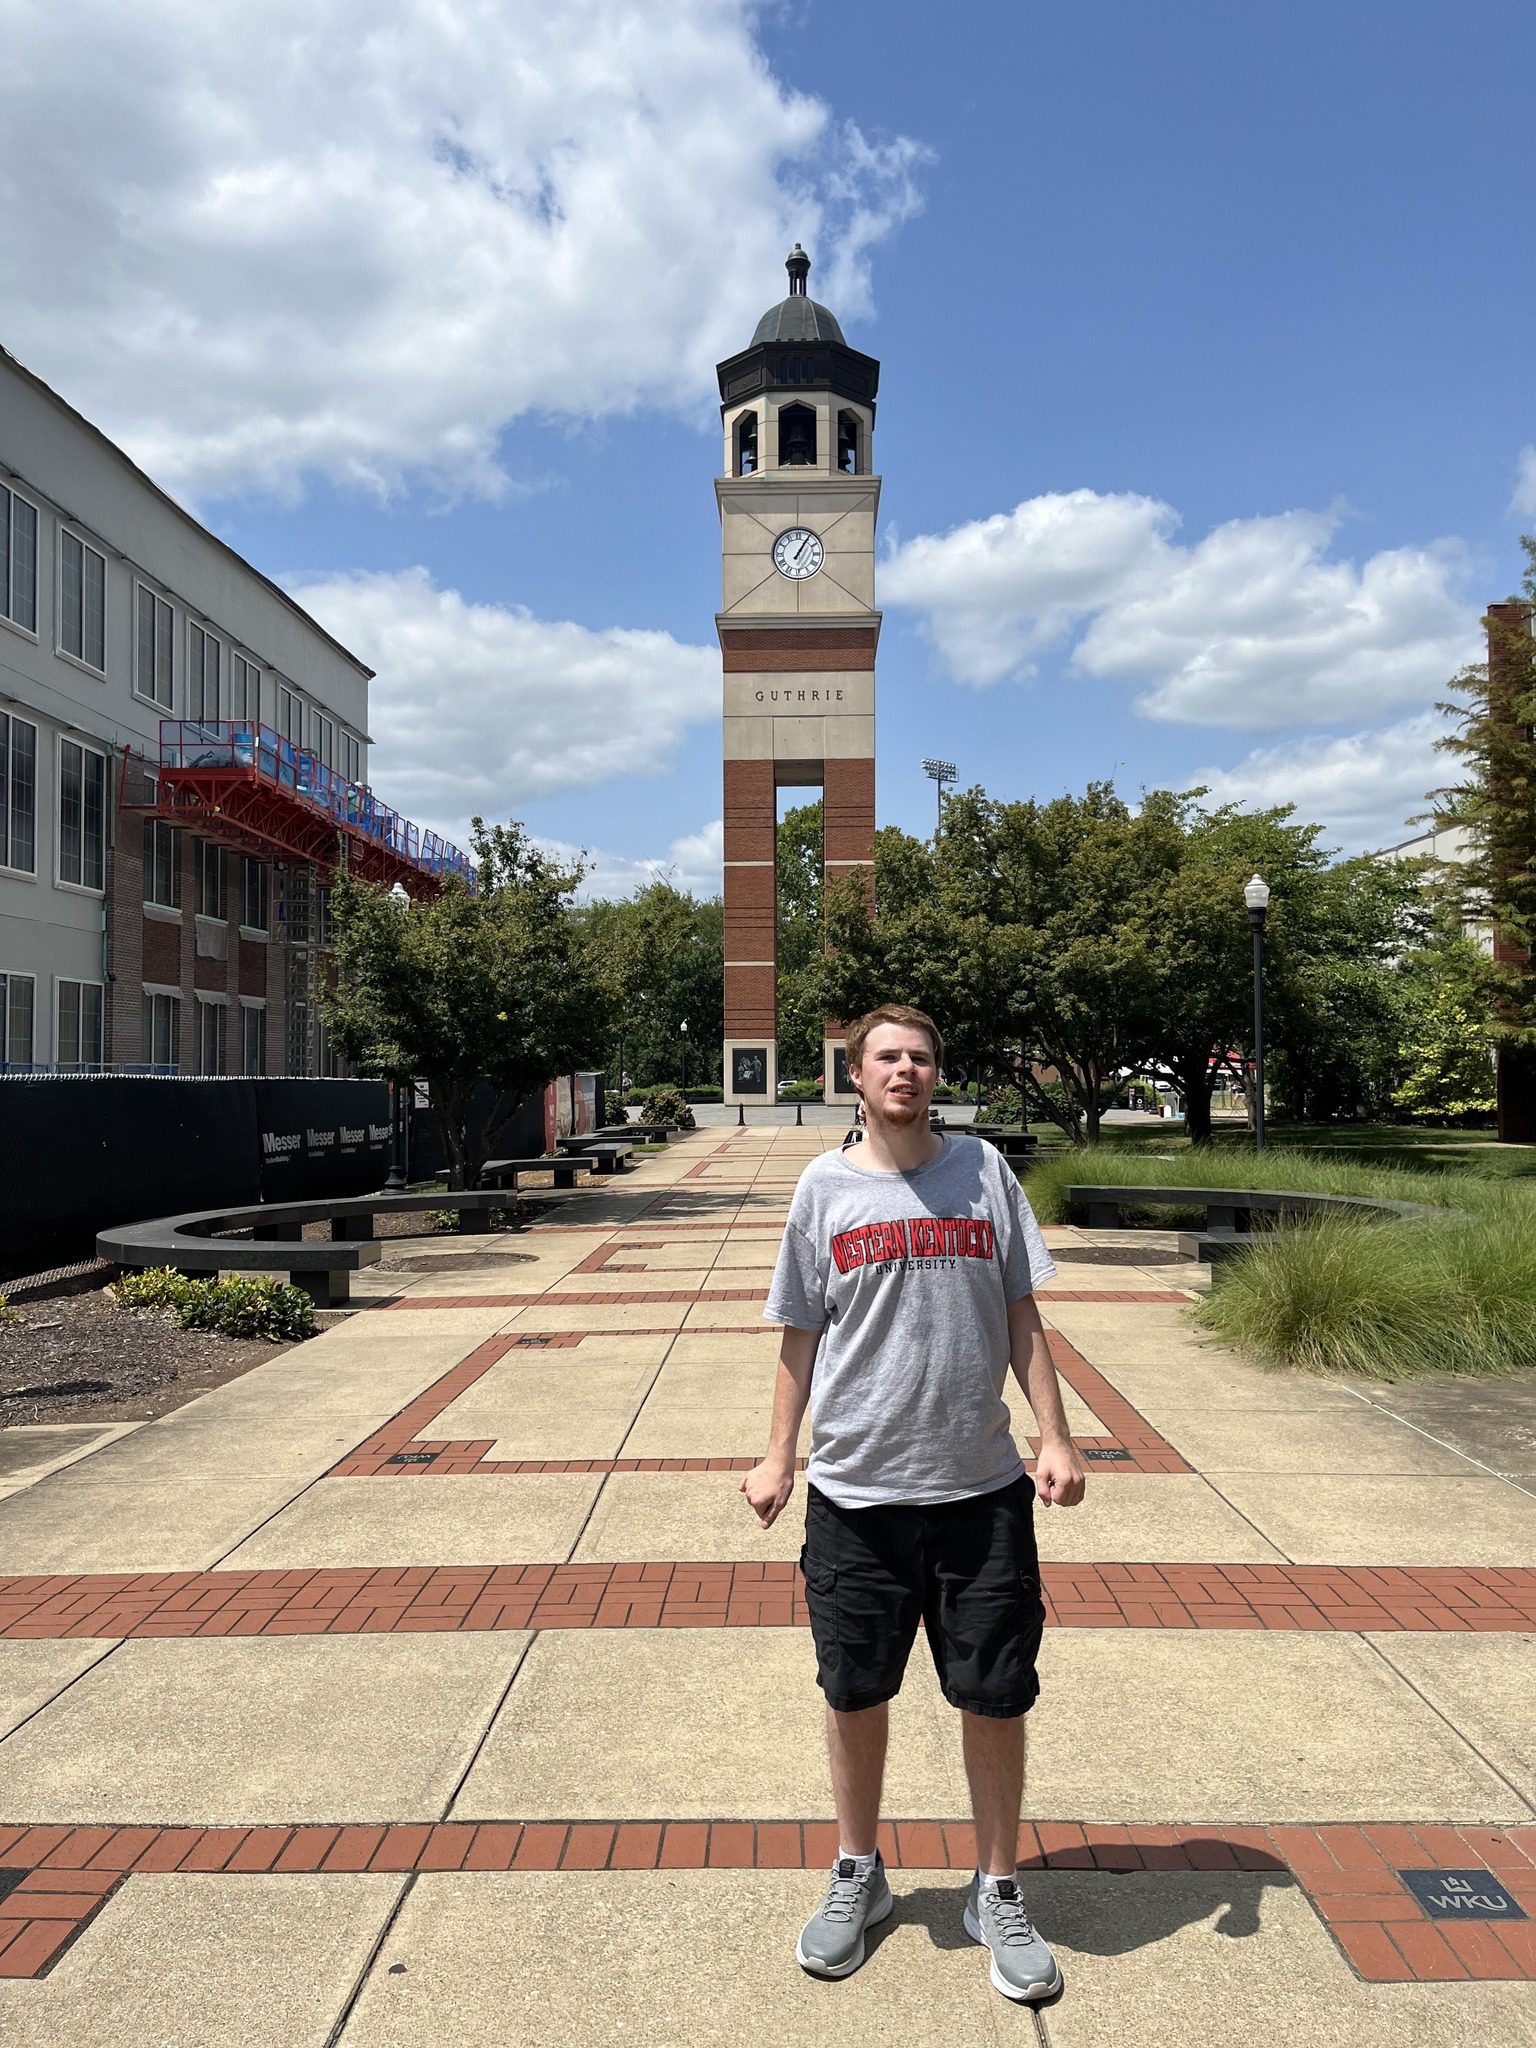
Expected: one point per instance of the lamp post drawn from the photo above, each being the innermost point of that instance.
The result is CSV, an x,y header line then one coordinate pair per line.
x,y
395,1183
1256,896
940,772
684,1028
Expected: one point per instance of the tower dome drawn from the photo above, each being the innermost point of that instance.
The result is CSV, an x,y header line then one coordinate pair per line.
x,y
797,318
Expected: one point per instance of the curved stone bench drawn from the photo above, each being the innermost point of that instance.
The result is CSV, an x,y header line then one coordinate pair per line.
x,y
191,1244
1229,1212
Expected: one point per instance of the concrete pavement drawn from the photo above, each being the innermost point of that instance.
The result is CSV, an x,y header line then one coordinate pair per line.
x,y
431,1683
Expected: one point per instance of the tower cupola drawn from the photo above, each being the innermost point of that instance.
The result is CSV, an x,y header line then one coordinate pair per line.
x,y
798,397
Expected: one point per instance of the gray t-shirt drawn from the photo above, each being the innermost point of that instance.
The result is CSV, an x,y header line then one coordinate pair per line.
x,y
908,1276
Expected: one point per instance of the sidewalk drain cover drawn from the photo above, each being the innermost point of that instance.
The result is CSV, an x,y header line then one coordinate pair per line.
x,y
1109,1457
411,1458
1461,1895
530,1343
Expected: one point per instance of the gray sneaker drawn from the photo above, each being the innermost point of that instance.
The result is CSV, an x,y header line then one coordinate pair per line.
x,y
831,1942
1022,1965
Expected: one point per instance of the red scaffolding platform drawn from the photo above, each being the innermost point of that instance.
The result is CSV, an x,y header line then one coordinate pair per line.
x,y
247,787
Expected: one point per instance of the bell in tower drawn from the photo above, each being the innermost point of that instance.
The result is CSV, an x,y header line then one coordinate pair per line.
x,y
798,631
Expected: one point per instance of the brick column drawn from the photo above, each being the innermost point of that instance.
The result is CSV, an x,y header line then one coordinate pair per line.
x,y
751,912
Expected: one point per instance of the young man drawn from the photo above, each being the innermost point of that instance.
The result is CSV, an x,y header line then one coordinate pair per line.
x,y
905,1282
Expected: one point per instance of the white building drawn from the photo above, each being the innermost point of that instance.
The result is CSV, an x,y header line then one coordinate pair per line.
x,y
139,922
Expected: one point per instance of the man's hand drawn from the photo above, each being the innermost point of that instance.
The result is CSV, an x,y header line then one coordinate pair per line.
x,y
768,1487
1059,1475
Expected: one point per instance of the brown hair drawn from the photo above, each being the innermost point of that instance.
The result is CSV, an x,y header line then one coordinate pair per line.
x,y
893,1013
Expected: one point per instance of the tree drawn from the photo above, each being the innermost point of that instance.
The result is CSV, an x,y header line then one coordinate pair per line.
x,y
1447,1047
493,985
1494,704
662,953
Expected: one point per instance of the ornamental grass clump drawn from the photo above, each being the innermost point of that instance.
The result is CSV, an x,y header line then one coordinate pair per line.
x,y
1387,1299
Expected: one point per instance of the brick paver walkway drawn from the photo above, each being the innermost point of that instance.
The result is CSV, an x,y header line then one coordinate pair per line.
x,y
292,1752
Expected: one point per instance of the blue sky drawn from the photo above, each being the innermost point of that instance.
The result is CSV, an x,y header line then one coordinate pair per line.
x,y
1205,335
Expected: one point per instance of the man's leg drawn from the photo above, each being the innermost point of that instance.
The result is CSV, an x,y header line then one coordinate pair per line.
x,y
994,1767
856,1750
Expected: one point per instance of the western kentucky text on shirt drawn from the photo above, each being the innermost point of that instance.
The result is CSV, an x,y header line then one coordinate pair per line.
x,y
914,1237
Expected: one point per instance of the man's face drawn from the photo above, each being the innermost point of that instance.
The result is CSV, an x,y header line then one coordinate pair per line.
x,y
897,1075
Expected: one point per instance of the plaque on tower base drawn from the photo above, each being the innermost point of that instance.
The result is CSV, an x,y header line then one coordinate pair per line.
x,y
751,1071
837,1088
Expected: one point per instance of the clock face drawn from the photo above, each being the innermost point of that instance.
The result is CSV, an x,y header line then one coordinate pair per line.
x,y
798,552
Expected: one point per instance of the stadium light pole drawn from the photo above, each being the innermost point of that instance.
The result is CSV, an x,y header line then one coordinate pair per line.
x,y
1256,896
939,772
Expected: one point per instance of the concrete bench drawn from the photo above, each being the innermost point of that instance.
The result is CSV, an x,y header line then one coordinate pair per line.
x,y
649,1134
603,1155
193,1245
1229,1212
1008,1138
506,1173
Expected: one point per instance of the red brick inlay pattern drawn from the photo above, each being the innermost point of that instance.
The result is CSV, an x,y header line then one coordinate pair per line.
x,y
425,1599
1348,1872
400,1448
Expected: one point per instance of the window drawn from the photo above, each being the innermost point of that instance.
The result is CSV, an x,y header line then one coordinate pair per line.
x,y
210,880
210,1036
797,437
80,1013
325,738
253,1038
244,688
351,757
290,717
848,443
162,864
82,602
162,1028
82,816
155,629
746,444
253,894
16,1000
202,672
18,561
18,795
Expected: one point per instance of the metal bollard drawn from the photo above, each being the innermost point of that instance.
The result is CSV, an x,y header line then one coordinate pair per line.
x,y
741,1116
799,1106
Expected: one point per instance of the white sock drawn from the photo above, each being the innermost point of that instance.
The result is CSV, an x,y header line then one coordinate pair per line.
x,y
863,1865
987,1883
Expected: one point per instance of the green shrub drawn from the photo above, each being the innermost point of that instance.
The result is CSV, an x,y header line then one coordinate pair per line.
x,y
242,1306
446,1221
802,1091
153,1287
1004,1105
706,1093
664,1105
7,1313
246,1306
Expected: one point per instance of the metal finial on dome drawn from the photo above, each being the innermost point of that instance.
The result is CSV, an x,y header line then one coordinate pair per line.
x,y
798,264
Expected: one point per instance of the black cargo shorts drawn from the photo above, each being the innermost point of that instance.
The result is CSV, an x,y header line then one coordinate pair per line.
x,y
967,1569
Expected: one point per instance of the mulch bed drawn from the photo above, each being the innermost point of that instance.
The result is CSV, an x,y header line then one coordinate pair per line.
x,y
1116,1255
80,1358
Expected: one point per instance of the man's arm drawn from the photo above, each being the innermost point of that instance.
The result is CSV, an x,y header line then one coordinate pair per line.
x,y
768,1485
1059,1476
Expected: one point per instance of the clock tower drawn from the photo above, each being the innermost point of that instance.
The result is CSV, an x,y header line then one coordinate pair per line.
x,y
798,630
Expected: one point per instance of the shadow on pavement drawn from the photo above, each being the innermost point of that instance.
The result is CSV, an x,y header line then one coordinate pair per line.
x,y
1105,1912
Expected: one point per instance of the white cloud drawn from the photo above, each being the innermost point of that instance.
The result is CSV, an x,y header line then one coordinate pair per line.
x,y
318,238
1362,787
994,590
1253,627
1523,502
478,707
695,862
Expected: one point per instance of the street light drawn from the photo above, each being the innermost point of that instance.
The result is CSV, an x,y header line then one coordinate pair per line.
x,y
1256,896
684,1028
940,772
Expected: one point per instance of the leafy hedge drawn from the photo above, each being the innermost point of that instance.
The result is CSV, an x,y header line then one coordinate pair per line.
x,y
663,1105
238,1307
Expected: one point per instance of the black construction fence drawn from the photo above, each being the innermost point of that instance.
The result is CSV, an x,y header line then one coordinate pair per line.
x,y
81,1152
